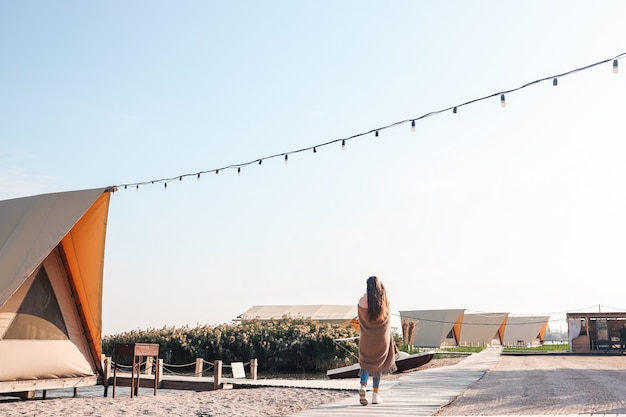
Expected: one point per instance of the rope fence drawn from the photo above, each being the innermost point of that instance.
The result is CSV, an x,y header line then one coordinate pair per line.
x,y
201,367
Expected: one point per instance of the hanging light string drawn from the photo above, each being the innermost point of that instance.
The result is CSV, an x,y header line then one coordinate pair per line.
x,y
376,131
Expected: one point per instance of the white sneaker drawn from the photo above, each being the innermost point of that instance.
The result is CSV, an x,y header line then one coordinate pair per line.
x,y
362,398
376,399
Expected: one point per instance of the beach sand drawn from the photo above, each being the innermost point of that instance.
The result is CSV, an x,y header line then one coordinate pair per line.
x,y
515,385
251,402
222,403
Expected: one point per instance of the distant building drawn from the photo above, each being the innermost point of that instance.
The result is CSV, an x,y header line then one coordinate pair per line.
x,y
590,332
324,313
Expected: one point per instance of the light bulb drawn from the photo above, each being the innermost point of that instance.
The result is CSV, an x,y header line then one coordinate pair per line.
x,y
239,171
260,161
286,159
217,171
343,145
412,125
615,66
126,187
137,187
376,134
165,186
314,149
502,100
180,178
555,82
454,110
198,178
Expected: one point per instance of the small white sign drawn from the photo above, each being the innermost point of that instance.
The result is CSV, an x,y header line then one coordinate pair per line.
x,y
238,371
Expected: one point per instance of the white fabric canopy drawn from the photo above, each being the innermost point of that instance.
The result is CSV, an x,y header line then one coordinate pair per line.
x,y
31,227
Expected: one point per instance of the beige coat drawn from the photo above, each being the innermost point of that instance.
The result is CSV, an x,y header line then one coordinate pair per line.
x,y
377,350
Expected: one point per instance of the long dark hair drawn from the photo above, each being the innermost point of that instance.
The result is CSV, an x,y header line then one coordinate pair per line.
x,y
377,303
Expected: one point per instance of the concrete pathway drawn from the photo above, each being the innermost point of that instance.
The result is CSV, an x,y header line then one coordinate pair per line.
x,y
419,393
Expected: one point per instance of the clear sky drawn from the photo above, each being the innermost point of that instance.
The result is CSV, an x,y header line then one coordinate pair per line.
x,y
519,209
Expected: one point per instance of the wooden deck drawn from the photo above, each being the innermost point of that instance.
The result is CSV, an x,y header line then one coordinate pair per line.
x,y
192,383
415,394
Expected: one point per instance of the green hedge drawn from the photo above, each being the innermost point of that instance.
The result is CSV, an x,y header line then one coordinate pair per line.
x,y
284,345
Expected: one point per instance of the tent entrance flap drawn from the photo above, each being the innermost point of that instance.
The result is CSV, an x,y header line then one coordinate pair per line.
x,y
39,315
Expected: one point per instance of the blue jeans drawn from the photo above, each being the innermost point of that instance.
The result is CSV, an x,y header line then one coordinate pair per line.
x,y
365,375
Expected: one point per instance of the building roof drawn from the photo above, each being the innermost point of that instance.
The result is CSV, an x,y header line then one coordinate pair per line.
x,y
319,312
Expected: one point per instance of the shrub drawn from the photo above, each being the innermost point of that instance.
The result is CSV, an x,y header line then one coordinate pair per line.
x,y
279,345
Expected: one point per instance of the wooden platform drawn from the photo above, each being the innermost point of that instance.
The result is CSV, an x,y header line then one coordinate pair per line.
x,y
167,382
192,383
46,384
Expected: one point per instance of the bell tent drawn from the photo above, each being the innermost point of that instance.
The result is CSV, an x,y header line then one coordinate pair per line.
x,y
51,269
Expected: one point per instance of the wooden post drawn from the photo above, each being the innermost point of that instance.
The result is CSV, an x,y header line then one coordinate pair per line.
x,y
217,374
254,364
106,370
26,395
148,370
199,366
160,374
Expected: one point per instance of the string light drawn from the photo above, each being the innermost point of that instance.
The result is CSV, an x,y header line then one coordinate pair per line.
x,y
412,121
343,145
286,159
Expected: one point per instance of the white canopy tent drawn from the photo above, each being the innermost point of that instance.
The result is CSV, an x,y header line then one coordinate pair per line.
x,y
482,328
525,330
433,326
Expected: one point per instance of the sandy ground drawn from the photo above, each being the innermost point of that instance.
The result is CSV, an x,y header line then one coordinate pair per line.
x,y
255,402
516,385
542,384
222,403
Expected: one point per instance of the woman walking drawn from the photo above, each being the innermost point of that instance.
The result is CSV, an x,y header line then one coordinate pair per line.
x,y
377,350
